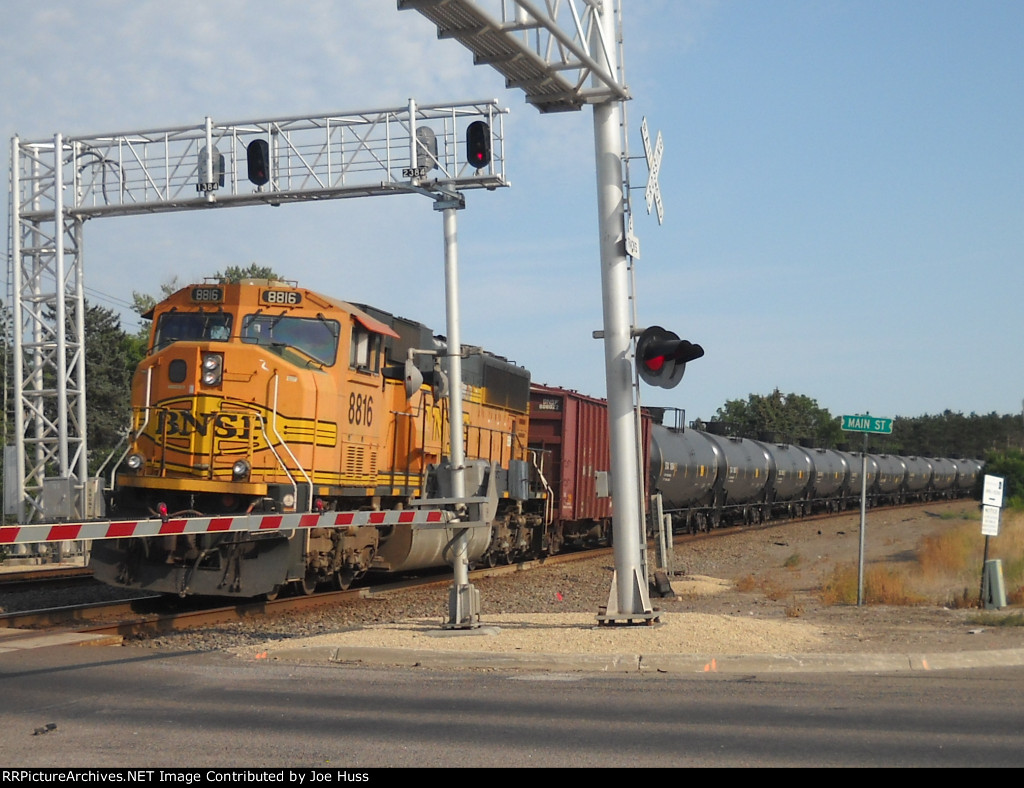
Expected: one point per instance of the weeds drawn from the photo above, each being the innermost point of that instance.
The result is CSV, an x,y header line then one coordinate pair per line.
x,y
952,558
883,585
998,620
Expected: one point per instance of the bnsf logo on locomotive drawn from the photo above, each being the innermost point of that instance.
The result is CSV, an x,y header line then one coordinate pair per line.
x,y
225,425
233,431
281,297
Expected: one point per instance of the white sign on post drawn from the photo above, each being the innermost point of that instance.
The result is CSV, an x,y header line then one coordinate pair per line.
x,y
992,493
990,521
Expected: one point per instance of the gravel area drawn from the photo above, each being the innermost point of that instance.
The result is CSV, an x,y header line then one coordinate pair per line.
x,y
554,609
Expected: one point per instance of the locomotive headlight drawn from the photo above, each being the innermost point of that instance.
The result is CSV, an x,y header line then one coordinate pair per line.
x,y
240,470
213,369
134,462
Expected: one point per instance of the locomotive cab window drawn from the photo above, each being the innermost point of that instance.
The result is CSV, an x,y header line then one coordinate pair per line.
x,y
314,337
191,327
365,350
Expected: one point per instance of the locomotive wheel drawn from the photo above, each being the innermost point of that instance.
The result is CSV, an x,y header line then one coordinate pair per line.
x,y
307,585
270,596
343,579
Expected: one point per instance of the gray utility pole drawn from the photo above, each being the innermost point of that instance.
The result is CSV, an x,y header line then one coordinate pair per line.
x,y
564,56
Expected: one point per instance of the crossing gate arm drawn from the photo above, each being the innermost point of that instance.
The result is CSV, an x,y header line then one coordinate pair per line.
x,y
269,523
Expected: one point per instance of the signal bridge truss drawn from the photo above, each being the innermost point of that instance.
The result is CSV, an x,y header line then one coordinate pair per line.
x,y
558,52
57,184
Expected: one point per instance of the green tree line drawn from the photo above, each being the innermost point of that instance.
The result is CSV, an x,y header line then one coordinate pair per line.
x,y
796,418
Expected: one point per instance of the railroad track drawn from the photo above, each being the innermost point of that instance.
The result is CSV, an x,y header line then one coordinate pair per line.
x,y
150,616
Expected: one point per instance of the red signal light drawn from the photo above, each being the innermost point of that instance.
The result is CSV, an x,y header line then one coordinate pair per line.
x,y
478,144
662,356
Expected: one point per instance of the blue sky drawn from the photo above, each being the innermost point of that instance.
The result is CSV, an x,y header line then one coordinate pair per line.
x,y
843,183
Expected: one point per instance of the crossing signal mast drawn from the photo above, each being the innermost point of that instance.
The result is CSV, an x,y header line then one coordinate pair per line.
x,y
564,55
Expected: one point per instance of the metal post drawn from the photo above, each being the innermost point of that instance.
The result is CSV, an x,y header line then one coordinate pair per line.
x,y
463,600
863,520
628,600
60,308
17,328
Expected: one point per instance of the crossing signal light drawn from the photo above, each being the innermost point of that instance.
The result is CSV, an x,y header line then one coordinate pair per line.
x,y
478,144
661,356
257,155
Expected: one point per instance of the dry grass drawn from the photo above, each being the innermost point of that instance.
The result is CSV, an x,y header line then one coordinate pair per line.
x,y
951,561
883,585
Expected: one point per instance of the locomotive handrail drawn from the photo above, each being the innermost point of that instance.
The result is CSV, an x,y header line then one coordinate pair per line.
x,y
287,448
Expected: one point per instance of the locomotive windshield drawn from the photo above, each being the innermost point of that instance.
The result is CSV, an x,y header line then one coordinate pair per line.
x,y
191,327
317,337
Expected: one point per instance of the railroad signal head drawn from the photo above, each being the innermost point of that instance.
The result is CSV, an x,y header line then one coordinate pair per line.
x,y
211,170
478,144
257,155
661,356
426,148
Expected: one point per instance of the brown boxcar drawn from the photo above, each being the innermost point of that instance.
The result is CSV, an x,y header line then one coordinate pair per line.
x,y
569,436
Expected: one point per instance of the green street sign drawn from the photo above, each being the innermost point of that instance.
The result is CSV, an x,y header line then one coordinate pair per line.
x,y
867,423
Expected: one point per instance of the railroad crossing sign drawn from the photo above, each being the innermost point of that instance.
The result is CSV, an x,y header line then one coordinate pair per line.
x,y
867,423
653,155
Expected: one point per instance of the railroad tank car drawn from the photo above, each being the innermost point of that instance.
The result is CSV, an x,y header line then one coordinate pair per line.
x,y
892,474
684,468
944,473
263,396
791,477
919,478
831,469
968,472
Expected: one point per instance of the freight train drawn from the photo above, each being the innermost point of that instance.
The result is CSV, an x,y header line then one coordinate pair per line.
x,y
265,397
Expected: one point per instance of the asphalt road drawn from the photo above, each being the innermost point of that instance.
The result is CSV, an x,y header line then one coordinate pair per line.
x,y
130,707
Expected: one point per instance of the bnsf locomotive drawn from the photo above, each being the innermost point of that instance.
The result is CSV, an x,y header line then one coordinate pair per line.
x,y
264,397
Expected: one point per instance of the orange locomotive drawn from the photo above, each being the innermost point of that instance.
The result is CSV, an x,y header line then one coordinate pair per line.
x,y
264,396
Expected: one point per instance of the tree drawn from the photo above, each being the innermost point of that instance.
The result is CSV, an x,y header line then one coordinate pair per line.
x,y
1009,465
792,418
111,356
234,274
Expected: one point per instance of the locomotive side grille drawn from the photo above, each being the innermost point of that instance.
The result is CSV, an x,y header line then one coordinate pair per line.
x,y
360,465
